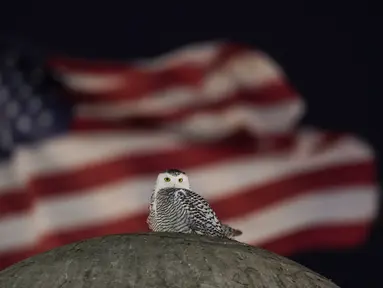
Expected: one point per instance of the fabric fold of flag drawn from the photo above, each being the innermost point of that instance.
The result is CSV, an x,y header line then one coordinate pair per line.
x,y
224,113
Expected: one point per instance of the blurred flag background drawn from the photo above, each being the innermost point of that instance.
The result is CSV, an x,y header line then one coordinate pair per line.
x,y
80,154
84,134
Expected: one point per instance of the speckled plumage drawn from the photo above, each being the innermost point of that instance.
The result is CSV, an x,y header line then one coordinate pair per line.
x,y
178,209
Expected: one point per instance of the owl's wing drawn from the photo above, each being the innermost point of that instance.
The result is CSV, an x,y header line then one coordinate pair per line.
x,y
149,219
200,216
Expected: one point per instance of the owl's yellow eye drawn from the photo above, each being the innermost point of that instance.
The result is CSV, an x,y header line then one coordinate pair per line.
x,y
180,180
167,179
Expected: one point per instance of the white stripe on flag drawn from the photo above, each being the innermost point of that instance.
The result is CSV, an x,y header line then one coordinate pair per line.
x,y
70,152
78,150
338,206
212,181
216,87
332,206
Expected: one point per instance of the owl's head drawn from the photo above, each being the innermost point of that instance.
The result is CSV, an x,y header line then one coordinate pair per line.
x,y
172,178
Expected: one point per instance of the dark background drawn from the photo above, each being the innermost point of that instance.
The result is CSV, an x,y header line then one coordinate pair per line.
x,y
324,49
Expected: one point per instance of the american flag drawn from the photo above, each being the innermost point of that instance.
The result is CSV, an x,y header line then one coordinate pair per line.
x,y
82,142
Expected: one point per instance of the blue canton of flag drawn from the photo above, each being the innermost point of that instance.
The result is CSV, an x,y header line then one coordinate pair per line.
x,y
31,104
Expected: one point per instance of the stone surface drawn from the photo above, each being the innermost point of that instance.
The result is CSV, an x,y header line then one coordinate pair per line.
x,y
159,260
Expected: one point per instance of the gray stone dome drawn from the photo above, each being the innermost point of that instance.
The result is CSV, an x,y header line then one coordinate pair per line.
x,y
159,260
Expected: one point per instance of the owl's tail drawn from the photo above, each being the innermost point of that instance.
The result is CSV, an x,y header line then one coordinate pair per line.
x,y
231,232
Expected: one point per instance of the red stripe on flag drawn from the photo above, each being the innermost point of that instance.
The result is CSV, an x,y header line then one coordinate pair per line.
x,y
135,85
247,200
278,93
138,81
254,199
79,65
339,236
127,167
326,141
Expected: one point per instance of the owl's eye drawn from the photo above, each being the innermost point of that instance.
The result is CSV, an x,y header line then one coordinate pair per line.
x,y
180,180
167,179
